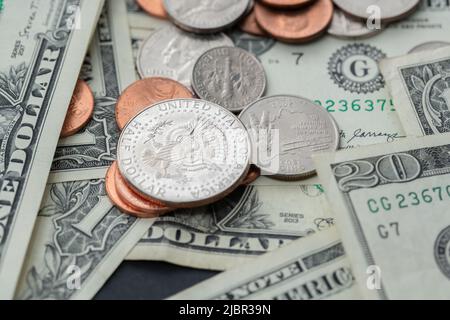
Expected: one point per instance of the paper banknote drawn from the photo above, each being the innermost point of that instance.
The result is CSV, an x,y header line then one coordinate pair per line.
x,y
308,269
108,69
80,238
251,221
391,203
42,50
420,86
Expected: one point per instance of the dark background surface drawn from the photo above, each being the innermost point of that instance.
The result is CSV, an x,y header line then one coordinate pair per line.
x,y
144,280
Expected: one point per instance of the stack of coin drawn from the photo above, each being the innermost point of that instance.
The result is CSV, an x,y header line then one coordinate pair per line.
x,y
180,153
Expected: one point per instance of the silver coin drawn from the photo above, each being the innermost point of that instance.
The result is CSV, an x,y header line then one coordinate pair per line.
x,y
390,10
230,77
184,152
432,45
285,131
172,53
205,16
344,26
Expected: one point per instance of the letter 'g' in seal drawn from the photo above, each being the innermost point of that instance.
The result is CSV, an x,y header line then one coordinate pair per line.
x,y
355,68
442,251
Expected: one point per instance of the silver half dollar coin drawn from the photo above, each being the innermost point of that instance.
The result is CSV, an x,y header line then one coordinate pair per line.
x,y
206,16
170,52
185,152
231,77
285,131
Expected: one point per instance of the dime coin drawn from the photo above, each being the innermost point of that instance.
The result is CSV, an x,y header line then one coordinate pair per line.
x,y
286,4
251,26
205,16
230,77
80,110
153,7
299,25
144,93
134,200
295,128
432,45
184,153
253,174
114,196
172,53
390,10
344,26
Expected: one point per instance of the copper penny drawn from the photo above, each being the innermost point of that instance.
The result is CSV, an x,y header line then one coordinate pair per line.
x,y
134,200
250,25
80,110
111,190
146,92
286,4
296,26
153,7
253,174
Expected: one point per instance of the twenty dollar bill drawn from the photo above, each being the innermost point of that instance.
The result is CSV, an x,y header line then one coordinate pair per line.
x,y
392,203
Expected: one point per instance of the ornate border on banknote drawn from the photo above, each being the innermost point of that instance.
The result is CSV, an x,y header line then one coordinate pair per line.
x,y
24,115
428,87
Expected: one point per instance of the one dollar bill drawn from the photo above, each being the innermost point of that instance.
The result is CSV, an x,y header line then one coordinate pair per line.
x,y
420,86
80,238
43,44
391,202
308,269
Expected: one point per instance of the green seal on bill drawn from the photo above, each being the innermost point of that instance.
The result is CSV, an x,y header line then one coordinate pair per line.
x,y
1,5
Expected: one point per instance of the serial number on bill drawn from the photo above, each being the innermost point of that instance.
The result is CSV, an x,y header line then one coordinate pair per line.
x,y
226,310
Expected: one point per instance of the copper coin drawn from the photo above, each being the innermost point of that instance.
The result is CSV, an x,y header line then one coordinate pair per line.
x,y
250,25
146,92
134,200
153,7
286,4
296,26
253,174
80,110
111,190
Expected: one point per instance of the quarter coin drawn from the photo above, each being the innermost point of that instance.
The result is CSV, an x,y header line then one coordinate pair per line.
x,y
172,53
230,77
285,131
184,153
206,16
144,93
300,25
344,26
389,10
80,110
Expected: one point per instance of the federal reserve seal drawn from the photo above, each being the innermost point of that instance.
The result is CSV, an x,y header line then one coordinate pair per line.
x,y
442,251
355,68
